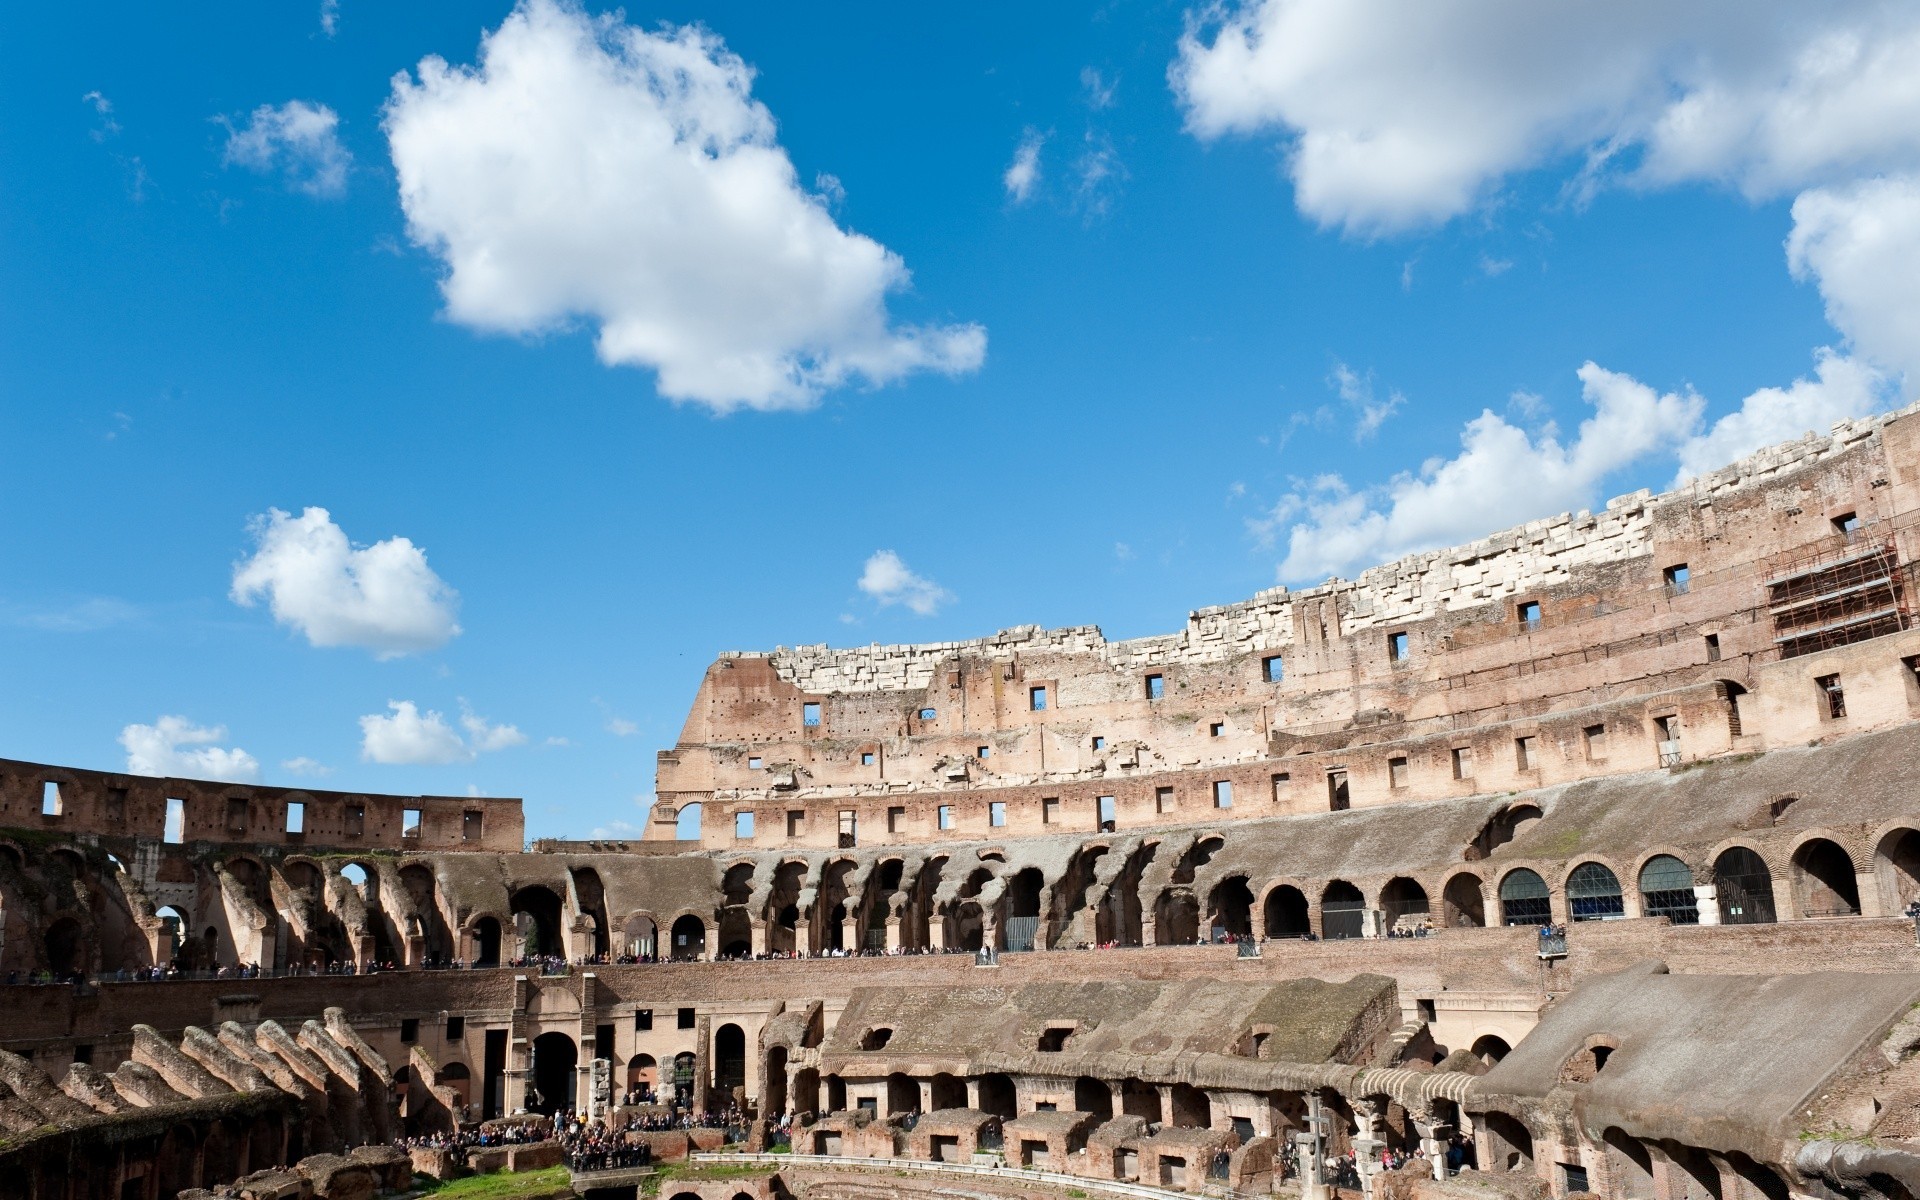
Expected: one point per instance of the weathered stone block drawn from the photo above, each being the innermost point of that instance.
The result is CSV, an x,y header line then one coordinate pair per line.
x,y
534,1157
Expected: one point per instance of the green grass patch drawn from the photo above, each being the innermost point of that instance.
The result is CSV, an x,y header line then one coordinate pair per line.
x,y
550,1183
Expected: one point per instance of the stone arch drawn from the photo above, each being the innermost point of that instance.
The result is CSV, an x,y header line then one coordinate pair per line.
x,y
554,1058
1490,1048
541,905
1666,890
997,1096
643,1074
1463,901
1744,884
1403,900
967,926
641,935
1090,1095
1286,912
66,946
483,932
1192,1108
689,938
591,896
1524,899
1593,893
1824,881
1176,918
773,1092
1342,911
1629,1164
436,941
903,1093
1230,908
729,1058
1021,920
1896,868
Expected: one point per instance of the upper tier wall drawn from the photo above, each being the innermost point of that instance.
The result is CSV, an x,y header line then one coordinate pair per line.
x,y
137,806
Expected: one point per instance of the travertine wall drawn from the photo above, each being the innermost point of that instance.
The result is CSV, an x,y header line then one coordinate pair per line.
x,y
900,744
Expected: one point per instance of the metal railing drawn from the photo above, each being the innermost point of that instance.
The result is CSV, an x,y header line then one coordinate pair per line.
x,y
1110,1187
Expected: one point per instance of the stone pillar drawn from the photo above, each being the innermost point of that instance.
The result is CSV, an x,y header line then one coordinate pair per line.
x,y
1367,1143
893,933
850,935
1867,885
759,936
937,932
713,940
1706,898
802,940
1311,1148
1433,1138
973,1094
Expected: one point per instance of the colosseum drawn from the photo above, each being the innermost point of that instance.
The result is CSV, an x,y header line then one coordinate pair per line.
x,y
1582,859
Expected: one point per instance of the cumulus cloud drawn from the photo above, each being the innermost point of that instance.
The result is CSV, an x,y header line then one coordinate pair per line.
x,y
406,736
1024,172
1395,116
590,170
1860,243
1502,475
888,580
382,597
329,17
1842,387
175,746
307,767
299,140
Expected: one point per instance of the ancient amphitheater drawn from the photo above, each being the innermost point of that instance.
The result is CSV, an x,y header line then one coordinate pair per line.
x,y
1575,860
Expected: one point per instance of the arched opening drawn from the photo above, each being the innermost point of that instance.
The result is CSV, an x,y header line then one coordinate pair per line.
x,y
1510,1142
541,932
643,1075
1403,903
686,824
1730,694
1231,909
641,936
996,1096
806,1091
554,1059
1176,918
63,946
969,926
1140,1099
1823,880
876,1039
836,1094
1464,902
1593,894
683,1078
1286,913
736,933
1191,1107
773,1099
1666,890
730,1059
1629,1164
1524,899
949,1091
1745,887
1896,867
689,938
455,1075
903,1094
1502,827
173,931
1342,910
486,942
1490,1048
1022,927
436,941
591,894
1090,1095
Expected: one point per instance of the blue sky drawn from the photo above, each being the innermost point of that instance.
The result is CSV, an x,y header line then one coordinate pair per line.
x,y
1137,384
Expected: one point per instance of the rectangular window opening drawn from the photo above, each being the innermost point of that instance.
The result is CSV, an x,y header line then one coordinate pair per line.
x,y
642,1020
1156,686
175,830
1833,695
849,829
686,1018
753,764
473,825
1282,784
409,1030
296,816
1846,525
983,752
1223,793
997,814
928,714
743,825
52,804
1397,772
896,820
1163,799
1050,810
116,804
1596,738
810,713
356,820
866,758
945,816
1217,729
1530,614
1105,811
1099,743
409,822
1463,762
456,1028
1338,798
1678,579
236,814
796,822
1397,647
1713,647
1037,699
1273,669
1526,753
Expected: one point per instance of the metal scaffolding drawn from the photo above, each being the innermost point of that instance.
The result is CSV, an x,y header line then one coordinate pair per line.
x,y
1836,595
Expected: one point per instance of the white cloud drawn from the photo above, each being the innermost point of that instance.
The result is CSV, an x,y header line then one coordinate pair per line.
x,y
1502,476
329,17
1098,174
175,746
407,736
381,597
621,727
590,170
1024,172
1100,91
1397,116
298,139
102,108
888,580
1370,412
1861,243
306,766
1843,387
